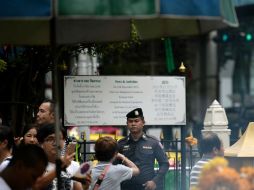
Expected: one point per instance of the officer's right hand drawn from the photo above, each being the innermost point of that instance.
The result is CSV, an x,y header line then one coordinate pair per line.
x,y
150,185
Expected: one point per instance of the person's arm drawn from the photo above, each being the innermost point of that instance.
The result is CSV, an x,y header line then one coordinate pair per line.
x,y
162,159
77,185
88,181
128,163
48,177
44,180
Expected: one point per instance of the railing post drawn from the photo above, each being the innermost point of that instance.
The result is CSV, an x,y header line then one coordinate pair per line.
x,y
176,165
183,158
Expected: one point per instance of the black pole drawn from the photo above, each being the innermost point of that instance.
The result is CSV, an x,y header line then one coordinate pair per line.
x,y
55,91
183,158
176,166
182,71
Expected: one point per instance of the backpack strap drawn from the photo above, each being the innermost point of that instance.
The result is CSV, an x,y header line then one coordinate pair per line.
x,y
101,177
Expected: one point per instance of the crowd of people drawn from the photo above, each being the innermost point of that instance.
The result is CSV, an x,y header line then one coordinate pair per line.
x,y
31,161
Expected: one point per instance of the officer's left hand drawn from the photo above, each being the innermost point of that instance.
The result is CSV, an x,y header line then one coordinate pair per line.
x,y
150,185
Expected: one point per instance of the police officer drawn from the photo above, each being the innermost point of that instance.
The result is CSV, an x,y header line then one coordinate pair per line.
x,y
143,150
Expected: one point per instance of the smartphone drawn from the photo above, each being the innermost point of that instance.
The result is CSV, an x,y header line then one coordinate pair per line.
x,y
71,148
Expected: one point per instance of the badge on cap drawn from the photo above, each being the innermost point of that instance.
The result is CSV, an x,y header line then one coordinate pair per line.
x,y
135,113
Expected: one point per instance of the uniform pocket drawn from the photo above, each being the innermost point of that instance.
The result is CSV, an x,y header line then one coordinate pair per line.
x,y
146,151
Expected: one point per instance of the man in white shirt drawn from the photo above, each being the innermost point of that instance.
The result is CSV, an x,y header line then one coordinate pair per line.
x,y
47,140
6,145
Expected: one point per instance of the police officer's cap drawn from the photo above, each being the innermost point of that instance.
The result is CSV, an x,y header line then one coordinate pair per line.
x,y
135,113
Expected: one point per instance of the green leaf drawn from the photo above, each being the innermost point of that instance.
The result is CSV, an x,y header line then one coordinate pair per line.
x,y
3,65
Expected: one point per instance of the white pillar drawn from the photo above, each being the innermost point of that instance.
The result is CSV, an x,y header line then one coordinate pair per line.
x,y
87,64
216,121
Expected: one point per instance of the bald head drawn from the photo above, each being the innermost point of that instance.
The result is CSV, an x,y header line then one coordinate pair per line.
x,y
45,114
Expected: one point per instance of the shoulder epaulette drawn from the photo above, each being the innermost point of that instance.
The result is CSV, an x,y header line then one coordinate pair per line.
x,y
152,137
123,139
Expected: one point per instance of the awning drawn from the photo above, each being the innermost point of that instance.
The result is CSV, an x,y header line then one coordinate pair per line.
x,y
244,147
239,3
28,22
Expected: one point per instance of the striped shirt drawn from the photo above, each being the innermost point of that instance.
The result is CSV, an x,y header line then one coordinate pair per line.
x,y
196,170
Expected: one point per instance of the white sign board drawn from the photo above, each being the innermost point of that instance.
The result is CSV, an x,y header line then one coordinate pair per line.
x,y
105,100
